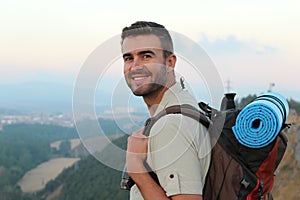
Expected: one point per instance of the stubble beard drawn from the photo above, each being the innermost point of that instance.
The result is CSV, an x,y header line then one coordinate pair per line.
x,y
151,88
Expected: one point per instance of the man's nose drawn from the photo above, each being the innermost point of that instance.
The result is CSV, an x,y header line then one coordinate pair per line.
x,y
136,64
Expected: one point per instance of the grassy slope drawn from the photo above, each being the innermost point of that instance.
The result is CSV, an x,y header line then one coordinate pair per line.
x,y
287,180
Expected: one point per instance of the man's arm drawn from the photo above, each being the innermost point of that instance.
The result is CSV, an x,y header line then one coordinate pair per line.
x,y
135,157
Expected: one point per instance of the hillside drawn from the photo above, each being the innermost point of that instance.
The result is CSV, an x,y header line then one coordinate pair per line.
x,y
28,155
24,146
90,179
287,180
87,180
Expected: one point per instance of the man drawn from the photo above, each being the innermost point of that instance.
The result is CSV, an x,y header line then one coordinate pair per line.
x,y
177,149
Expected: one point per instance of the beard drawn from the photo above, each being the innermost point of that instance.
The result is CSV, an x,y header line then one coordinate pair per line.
x,y
147,89
155,82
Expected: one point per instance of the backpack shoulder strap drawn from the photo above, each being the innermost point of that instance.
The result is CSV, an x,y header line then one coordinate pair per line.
x,y
185,109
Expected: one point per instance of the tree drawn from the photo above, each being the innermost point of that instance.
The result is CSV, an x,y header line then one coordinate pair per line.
x,y
245,100
295,105
65,148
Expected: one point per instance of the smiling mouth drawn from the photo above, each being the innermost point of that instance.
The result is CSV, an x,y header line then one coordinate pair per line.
x,y
139,78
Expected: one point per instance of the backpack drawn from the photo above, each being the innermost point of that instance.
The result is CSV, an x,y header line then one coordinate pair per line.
x,y
236,171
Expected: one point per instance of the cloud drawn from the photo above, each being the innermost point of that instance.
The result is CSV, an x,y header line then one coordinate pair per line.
x,y
232,45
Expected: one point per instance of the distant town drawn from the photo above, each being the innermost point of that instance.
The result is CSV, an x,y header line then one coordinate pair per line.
x,y
65,119
60,119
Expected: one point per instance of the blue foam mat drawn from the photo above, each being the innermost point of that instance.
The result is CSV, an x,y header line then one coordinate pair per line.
x,y
259,123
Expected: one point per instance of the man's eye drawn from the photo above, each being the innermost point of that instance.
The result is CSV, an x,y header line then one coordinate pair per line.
x,y
146,56
126,59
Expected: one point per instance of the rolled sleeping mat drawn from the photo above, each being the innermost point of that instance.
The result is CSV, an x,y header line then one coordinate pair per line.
x,y
259,123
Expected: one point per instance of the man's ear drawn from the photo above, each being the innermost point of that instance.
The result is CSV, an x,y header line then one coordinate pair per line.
x,y
171,61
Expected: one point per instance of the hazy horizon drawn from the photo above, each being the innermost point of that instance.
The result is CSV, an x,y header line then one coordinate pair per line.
x,y
252,44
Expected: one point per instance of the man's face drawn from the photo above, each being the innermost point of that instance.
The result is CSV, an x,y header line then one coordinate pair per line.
x,y
144,65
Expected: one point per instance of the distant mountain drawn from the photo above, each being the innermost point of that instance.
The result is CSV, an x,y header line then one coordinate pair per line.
x,y
36,96
52,96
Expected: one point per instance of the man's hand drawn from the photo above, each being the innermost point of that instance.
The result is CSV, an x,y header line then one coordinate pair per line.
x,y
137,147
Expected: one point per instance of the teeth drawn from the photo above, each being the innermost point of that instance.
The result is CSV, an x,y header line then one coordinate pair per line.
x,y
139,78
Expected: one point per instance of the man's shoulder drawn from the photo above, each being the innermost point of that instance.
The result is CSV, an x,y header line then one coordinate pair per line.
x,y
177,96
172,125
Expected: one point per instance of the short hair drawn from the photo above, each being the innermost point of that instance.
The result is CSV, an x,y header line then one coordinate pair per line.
x,y
145,28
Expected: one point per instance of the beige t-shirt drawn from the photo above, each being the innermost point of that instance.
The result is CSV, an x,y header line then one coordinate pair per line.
x,y
178,149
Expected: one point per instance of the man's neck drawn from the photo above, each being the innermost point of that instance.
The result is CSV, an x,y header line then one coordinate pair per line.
x,y
153,100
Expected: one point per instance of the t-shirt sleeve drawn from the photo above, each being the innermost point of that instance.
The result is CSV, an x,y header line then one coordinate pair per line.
x,y
173,155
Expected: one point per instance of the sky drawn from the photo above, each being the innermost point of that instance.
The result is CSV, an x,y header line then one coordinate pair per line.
x,y
253,44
